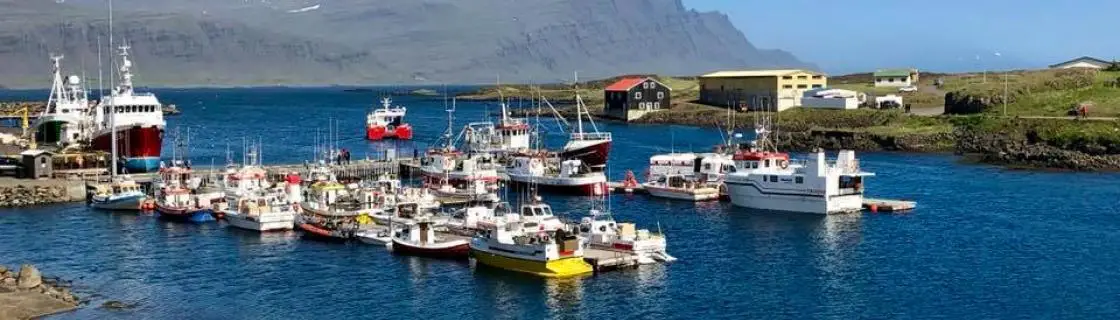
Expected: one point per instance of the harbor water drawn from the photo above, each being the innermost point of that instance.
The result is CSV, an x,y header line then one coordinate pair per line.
x,y
985,242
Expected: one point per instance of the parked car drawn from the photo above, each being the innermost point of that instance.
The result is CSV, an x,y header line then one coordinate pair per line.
x,y
908,89
10,166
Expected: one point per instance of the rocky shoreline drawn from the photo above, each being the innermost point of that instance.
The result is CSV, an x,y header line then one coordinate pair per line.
x,y
26,294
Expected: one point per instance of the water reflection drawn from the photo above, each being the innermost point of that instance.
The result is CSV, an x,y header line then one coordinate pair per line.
x,y
563,296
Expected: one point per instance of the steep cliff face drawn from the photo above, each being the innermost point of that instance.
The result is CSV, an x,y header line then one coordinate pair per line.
x,y
212,42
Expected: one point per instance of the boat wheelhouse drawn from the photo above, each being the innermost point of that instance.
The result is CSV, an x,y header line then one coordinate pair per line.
x,y
65,122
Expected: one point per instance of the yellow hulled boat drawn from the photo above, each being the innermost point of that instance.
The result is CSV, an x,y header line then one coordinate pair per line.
x,y
506,245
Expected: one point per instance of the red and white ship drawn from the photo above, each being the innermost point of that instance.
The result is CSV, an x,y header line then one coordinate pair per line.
x,y
387,122
568,176
138,122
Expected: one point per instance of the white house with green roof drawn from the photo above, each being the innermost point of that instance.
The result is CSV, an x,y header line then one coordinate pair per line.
x,y
896,77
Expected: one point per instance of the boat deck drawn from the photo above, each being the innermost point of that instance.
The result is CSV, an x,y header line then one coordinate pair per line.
x,y
606,260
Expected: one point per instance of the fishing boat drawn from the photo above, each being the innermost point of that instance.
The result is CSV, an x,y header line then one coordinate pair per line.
x,y
766,179
708,168
506,245
175,199
386,123
446,165
508,135
263,211
590,147
419,238
465,221
602,232
380,236
681,187
119,194
329,212
138,125
567,176
65,120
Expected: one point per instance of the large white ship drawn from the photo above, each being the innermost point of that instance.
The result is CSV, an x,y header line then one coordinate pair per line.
x,y
65,120
767,179
138,121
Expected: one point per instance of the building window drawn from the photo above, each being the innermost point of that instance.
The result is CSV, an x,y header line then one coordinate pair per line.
x,y
660,95
638,95
787,86
787,77
817,77
799,179
817,86
802,77
802,86
890,79
657,105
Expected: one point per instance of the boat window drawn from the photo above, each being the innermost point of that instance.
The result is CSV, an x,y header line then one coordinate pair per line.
x,y
799,179
773,178
547,211
527,211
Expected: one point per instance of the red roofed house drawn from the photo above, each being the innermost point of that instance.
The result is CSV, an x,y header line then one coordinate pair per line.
x,y
633,97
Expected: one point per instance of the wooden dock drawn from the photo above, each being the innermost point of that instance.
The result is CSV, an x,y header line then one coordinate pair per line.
x,y
888,205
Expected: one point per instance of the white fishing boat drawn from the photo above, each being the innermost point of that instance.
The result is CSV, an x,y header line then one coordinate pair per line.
x,y
260,211
767,179
568,176
708,168
680,187
418,238
466,220
65,121
602,232
380,236
387,122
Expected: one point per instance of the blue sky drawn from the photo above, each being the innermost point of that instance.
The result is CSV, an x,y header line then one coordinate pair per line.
x,y
939,35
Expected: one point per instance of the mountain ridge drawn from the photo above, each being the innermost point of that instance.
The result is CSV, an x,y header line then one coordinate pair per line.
x,y
351,42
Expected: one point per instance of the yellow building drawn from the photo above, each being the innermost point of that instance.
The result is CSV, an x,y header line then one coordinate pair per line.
x,y
759,89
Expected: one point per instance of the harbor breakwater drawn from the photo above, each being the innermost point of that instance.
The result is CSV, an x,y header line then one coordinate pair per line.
x,y
27,294
20,193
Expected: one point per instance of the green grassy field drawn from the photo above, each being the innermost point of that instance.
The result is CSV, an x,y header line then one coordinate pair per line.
x,y
1044,92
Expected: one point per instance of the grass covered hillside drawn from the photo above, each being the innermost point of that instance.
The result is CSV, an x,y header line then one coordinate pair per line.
x,y
1036,93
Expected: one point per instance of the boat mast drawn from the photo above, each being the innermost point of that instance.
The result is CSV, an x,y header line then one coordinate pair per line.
x,y
112,107
579,106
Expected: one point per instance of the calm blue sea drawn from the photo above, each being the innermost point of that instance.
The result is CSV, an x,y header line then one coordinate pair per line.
x,y
985,242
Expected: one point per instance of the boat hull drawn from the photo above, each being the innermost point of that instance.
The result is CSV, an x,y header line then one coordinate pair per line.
x,y
263,223
139,146
185,214
375,133
559,268
749,195
591,186
592,153
450,250
319,233
126,203
681,194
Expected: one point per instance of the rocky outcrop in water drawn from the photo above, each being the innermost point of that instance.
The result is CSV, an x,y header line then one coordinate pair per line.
x,y
28,294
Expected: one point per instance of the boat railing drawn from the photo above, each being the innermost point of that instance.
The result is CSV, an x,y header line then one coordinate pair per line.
x,y
591,136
